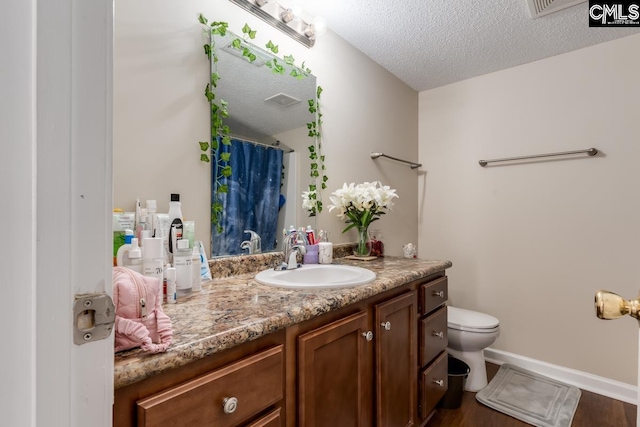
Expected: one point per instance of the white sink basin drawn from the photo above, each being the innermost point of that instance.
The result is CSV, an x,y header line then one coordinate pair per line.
x,y
317,276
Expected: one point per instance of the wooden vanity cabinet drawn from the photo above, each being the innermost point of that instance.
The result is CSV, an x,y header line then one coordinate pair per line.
x,y
396,347
377,362
250,376
228,396
334,374
433,377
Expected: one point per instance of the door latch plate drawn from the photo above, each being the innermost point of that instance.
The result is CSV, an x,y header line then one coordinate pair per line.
x,y
93,317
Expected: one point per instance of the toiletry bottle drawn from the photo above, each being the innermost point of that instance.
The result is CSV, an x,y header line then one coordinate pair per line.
x,y
195,273
175,219
124,249
133,259
143,223
172,295
152,260
182,262
151,210
325,248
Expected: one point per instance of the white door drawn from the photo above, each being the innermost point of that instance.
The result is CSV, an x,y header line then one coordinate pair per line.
x,y
55,175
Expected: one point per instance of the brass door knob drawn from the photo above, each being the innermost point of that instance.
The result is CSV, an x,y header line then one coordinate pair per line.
x,y
612,306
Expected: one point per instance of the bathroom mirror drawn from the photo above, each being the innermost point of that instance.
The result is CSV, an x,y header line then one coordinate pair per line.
x,y
267,118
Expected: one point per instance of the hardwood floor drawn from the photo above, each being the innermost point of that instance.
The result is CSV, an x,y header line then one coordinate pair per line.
x,y
593,410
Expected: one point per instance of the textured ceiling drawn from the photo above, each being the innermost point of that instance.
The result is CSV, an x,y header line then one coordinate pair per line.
x,y
431,43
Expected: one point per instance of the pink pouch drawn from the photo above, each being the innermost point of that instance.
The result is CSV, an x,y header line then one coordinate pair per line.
x,y
140,320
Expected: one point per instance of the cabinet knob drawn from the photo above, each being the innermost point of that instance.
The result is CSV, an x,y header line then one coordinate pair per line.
x,y
438,294
386,325
438,334
368,335
439,382
229,404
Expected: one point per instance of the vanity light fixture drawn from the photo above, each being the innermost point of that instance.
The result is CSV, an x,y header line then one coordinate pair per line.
x,y
289,20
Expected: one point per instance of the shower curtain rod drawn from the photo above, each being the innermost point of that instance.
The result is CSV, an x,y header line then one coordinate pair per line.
x,y
275,146
412,164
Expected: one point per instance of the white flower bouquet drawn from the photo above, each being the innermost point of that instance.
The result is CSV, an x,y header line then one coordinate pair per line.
x,y
360,205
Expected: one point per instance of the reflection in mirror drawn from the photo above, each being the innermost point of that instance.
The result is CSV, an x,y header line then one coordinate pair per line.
x,y
268,116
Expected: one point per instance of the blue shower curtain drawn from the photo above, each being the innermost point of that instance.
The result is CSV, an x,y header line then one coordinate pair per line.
x,y
252,202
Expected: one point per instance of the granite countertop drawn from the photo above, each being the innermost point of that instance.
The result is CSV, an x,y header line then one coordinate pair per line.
x,y
232,310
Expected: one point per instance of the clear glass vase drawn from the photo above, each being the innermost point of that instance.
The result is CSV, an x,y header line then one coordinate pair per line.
x,y
363,247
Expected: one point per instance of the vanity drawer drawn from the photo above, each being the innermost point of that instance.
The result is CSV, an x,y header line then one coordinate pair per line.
x,y
433,385
256,382
433,335
433,294
272,419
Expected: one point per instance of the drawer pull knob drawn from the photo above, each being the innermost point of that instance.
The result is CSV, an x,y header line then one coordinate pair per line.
x,y
438,334
438,294
230,404
439,382
386,325
368,335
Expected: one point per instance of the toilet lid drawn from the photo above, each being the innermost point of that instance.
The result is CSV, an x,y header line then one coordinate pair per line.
x,y
463,319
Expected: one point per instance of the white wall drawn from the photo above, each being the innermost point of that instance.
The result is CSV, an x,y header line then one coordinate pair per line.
x,y
532,242
160,113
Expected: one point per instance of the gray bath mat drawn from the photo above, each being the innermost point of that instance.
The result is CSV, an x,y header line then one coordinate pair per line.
x,y
530,397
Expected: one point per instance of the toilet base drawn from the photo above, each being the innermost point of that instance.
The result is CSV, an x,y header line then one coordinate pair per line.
x,y
477,379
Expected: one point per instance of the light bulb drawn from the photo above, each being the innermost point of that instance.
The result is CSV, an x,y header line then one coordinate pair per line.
x,y
287,15
296,9
320,25
310,31
262,2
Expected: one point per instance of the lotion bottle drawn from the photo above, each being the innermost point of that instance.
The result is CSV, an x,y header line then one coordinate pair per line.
x,y
172,296
123,251
153,261
182,262
175,221
195,272
133,259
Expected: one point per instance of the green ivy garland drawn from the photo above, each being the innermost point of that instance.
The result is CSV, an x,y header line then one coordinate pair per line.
x,y
220,133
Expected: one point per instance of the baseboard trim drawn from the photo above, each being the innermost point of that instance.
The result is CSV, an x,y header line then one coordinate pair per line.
x,y
593,383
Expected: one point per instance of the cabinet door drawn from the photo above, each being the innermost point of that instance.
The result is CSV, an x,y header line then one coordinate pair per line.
x,y
396,361
334,374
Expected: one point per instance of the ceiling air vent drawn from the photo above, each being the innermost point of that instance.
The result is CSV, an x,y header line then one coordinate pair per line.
x,y
539,8
282,100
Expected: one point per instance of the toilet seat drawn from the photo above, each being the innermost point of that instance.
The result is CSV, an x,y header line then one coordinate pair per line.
x,y
471,321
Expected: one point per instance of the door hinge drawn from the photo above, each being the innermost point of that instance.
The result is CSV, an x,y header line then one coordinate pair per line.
x,y
93,317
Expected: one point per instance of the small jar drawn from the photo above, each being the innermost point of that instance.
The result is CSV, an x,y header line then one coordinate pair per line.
x,y
377,243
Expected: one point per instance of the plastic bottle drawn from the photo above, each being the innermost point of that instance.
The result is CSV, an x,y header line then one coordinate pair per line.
x,y
182,262
151,210
152,261
325,249
143,224
195,272
133,259
175,219
124,249
172,295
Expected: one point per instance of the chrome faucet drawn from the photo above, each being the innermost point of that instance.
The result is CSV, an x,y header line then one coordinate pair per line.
x,y
293,244
254,244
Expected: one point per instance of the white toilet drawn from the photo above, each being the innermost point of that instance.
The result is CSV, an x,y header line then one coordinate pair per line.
x,y
470,332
